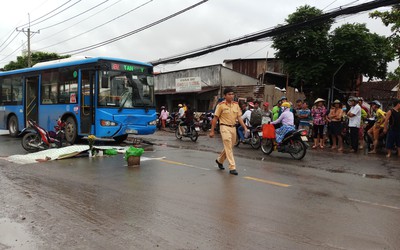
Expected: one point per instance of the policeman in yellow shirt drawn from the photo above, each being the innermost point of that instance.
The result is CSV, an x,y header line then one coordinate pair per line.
x,y
228,112
375,131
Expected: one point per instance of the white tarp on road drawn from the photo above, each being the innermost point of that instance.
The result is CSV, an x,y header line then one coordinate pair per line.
x,y
62,153
49,154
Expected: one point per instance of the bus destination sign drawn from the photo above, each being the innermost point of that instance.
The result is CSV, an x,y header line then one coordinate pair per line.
x,y
129,68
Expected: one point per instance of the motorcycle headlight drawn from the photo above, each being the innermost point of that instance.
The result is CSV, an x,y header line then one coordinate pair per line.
x,y
153,123
106,123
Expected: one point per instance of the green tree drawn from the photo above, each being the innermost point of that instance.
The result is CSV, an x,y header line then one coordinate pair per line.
x,y
305,51
22,61
392,18
312,54
394,76
362,52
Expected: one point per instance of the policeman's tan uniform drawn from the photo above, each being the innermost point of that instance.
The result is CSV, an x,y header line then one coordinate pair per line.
x,y
228,114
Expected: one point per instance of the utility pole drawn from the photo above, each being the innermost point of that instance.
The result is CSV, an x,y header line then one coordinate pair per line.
x,y
29,34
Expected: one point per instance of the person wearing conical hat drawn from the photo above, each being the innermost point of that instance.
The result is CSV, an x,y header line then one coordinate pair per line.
x,y
318,113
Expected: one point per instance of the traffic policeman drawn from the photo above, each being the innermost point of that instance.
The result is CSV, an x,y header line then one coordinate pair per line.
x,y
228,112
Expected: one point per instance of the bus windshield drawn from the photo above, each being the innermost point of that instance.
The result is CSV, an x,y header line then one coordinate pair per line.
x,y
125,90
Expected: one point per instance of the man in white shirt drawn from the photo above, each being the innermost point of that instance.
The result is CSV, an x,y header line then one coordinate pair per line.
x,y
181,114
181,111
354,115
246,119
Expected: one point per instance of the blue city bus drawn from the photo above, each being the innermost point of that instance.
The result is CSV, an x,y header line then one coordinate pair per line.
x,y
105,97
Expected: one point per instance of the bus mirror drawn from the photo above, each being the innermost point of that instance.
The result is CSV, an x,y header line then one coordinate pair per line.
x,y
150,81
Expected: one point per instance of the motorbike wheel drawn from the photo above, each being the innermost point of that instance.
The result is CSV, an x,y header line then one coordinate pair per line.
x,y
297,149
172,125
205,126
267,146
177,135
255,141
194,135
368,141
31,138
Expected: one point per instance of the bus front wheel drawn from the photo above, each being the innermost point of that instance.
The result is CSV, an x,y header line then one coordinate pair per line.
x,y
70,130
13,126
121,138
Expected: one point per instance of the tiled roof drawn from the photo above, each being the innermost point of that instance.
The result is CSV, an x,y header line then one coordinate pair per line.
x,y
381,90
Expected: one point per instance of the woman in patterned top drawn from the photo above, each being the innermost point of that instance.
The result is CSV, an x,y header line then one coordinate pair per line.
x,y
318,114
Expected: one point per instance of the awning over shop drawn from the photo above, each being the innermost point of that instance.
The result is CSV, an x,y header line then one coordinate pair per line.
x,y
173,91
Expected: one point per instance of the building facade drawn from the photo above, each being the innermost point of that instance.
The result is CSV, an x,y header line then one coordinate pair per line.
x,y
199,87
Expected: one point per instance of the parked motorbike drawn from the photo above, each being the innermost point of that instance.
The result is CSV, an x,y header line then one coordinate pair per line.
x,y
294,143
254,137
206,119
37,138
191,132
172,121
368,140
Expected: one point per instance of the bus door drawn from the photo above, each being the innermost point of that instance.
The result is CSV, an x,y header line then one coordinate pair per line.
x,y
87,100
31,98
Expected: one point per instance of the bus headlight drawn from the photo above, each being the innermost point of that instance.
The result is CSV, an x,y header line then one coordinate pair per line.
x,y
106,123
153,123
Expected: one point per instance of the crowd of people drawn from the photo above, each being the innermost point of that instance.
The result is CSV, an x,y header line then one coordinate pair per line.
x,y
330,126
326,126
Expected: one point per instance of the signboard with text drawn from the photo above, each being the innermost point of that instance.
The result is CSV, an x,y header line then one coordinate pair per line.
x,y
188,84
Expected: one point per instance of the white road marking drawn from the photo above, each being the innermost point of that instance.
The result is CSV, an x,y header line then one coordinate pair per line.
x,y
374,204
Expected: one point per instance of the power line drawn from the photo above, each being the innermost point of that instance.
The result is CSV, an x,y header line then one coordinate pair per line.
x,y
12,53
83,12
276,31
57,13
61,31
83,33
9,41
97,45
45,14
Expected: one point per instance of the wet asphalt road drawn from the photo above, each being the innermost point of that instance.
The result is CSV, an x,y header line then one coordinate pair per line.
x,y
178,199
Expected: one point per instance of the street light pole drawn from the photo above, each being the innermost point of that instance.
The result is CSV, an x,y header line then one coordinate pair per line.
x,y
28,34
331,94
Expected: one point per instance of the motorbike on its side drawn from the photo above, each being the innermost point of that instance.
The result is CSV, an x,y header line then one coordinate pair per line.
x,y
294,143
37,138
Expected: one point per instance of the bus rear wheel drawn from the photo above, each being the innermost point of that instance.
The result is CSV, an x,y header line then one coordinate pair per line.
x,y
13,126
71,132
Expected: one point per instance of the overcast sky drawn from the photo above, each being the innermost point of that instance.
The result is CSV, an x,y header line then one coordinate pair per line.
x,y
209,23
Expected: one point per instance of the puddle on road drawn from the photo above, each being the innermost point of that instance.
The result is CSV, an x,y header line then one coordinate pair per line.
x,y
14,236
373,176
336,170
